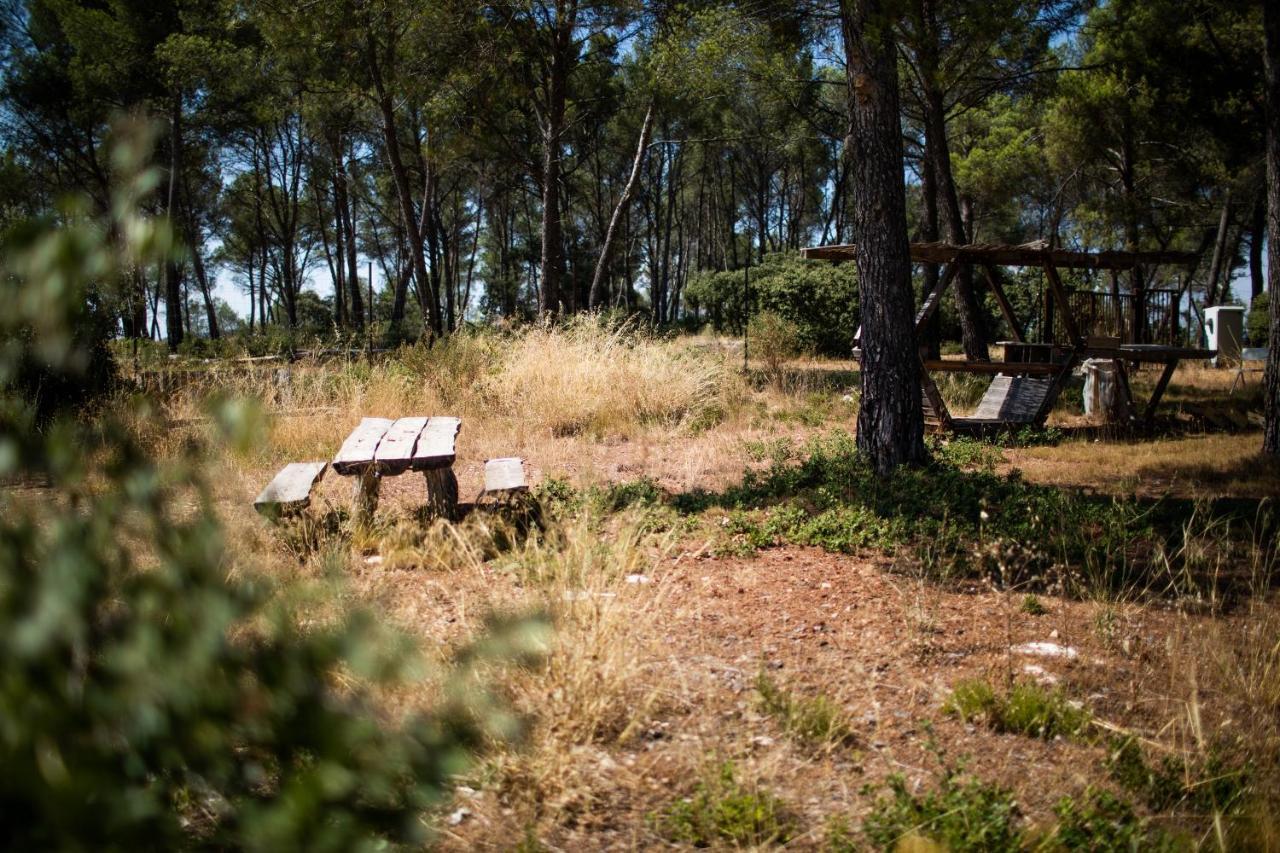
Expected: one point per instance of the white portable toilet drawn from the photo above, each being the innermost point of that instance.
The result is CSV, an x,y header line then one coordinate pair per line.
x,y
1224,329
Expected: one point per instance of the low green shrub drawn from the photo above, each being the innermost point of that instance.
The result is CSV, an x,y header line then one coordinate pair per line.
x,y
960,814
815,721
1209,785
721,810
962,523
1026,709
1101,821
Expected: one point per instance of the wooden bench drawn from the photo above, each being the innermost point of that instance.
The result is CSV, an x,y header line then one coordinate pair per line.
x,y
504,478
380,447
290,490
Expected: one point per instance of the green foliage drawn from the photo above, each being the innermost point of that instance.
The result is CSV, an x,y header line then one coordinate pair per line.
x,y
1258,322
969,523
1032,606
774,340
1210,784
152,698
814,721
961,814
819,298
722,810
1102,821
1026,709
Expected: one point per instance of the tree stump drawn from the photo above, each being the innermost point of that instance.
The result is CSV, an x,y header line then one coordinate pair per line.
x,y
442,493
366,495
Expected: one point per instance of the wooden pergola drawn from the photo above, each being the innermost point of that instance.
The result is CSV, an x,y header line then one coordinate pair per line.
x,y
1027,383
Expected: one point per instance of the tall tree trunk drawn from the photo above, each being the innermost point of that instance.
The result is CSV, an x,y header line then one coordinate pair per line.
x,y
346,210
404,194
557,88
172,271
1271,395
929,233
1257,236
972,325
602,264
891,420
1211,296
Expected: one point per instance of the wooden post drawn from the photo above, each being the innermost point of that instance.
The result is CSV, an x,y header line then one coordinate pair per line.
x,y
993,279
1149,415
442,493
368,482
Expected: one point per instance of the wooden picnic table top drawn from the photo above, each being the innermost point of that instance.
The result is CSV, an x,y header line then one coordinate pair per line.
x,y
392,447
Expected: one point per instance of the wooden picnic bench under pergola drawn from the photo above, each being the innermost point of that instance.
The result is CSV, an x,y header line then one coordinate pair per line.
x,y
1027,383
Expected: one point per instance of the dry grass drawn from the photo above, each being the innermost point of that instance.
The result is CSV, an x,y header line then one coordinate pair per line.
x,y
1210,465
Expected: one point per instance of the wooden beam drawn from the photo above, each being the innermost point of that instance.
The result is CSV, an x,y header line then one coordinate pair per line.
x,y
1149,413
1064,304
930,390
989,368
1126,390
1005,307
1013,256
1055,389
933,299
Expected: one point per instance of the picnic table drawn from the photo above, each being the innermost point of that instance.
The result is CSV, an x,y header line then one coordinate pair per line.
x,y
381,447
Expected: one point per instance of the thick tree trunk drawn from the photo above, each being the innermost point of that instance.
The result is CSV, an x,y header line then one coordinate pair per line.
x,y
1271,396
602,264
891,420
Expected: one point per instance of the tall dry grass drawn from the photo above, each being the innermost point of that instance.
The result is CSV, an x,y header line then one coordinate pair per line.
x,y
583,378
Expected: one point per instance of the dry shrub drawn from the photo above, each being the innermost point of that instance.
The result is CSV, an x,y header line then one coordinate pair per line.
x,y
586,377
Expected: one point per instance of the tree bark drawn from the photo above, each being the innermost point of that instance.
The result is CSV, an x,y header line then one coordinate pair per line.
x,y
602,264
557,88
404,195
1257,237
973,329
891,420
1219,251
1271,393
172,272
932,343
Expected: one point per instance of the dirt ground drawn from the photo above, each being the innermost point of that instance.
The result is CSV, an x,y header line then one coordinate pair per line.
x,y
688,633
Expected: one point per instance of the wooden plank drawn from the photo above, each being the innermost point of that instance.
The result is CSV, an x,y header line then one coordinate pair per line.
x,y
290,489
357,451
1150,412
1055,388
934,397
1006,307
1013,399
1026,255
395,450
1038,368
933,299
1064,304
435,447
1126,392
504,475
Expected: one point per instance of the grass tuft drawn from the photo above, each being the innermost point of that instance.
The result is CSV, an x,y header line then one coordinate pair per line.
x,y
722,810
1027,709
814,721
